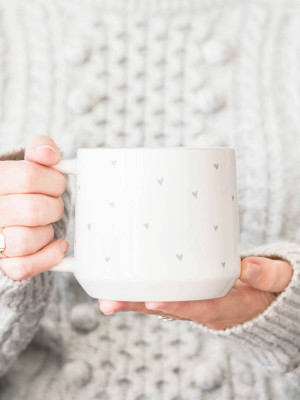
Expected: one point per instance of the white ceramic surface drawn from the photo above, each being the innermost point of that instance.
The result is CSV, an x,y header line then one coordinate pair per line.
x,y
155,224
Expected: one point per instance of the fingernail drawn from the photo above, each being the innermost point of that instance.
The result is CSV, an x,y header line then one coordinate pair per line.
x,y
252,272
46,146
152,306
108,312
64,246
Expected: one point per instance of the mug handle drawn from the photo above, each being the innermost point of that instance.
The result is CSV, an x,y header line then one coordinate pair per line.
x,y
68,167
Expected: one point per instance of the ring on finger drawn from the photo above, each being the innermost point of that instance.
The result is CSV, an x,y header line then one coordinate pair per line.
x,y
166,318
2,243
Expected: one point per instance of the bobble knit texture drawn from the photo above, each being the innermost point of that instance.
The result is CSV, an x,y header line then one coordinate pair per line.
x,y
155,73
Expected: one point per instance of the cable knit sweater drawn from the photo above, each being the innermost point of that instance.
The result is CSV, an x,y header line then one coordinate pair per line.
x,y
155,73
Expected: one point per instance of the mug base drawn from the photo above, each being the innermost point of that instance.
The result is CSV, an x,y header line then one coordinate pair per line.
x,y
141,291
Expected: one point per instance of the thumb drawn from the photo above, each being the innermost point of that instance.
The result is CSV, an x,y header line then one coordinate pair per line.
x,y
266,274
42,150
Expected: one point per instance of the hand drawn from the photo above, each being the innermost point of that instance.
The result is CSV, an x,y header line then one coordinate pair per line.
x,y
260,281
29,204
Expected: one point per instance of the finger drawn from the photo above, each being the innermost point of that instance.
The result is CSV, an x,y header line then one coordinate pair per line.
x,y
42,150
30,209
28,177
266,274
19,268
200,311
23,240
237,305
112,307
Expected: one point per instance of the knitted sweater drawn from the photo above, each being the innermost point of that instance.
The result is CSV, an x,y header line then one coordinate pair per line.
x,y
155,73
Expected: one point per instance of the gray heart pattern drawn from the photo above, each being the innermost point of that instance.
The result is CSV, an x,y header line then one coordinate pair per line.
x,y
146,225
232,198
78,187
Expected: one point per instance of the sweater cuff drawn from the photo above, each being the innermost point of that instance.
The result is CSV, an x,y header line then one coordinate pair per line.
x,y
273,337
14,155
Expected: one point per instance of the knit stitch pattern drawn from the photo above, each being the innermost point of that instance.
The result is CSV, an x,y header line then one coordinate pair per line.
x,y
123,73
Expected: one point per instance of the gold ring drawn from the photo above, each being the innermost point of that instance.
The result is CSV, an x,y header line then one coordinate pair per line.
x,y
2,244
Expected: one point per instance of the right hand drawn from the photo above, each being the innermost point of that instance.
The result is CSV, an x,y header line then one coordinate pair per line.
x,y
29,203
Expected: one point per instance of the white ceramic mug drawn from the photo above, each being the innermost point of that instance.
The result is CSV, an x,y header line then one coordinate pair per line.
x,y
155,224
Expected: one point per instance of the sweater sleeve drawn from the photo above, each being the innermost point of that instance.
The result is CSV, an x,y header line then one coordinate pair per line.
x,y
272,339
23,303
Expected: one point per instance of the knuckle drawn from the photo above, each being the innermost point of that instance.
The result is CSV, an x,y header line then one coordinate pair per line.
x,y
279,277
39,210
268,279
33,212
29,176
36,211
22,242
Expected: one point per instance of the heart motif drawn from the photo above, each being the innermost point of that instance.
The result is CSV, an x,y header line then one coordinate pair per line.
x,y
79,187
232,198
179,256
195,194
107,259
216,166
113,162
89,226
146,225
216,227
223,264
112,204
160,181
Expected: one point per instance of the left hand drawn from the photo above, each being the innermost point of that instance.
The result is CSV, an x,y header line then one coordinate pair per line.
x,y
260,281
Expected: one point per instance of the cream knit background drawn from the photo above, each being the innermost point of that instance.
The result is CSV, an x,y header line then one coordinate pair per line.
x,y
161,73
